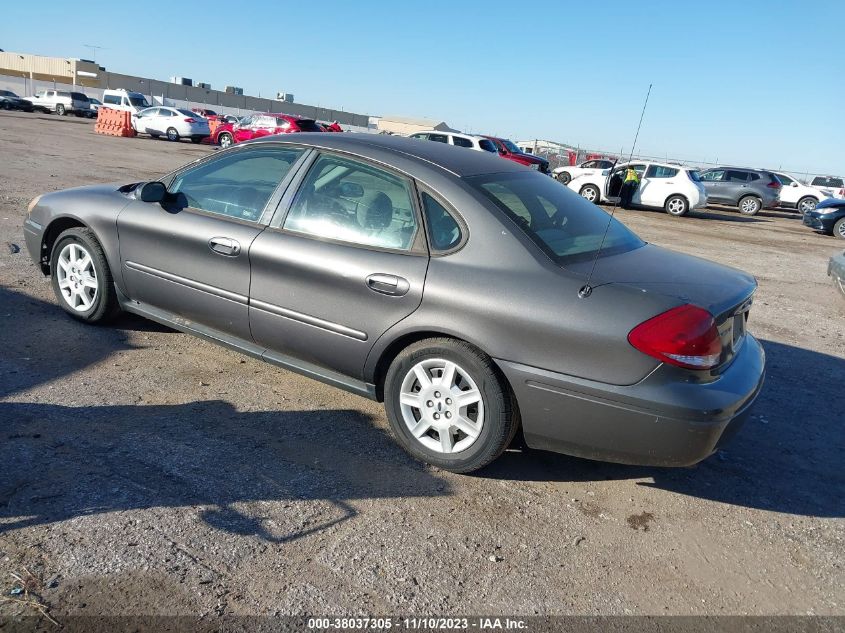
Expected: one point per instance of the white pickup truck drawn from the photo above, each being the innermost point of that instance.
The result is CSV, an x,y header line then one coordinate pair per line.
x,y
62,102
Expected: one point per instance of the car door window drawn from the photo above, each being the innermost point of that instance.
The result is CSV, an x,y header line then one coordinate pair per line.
x,y
350,201
590,164
737,176
236,185
460,141
659,171
444,232
713,176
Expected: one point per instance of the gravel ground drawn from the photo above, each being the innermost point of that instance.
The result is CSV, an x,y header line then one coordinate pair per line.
x,y
143,471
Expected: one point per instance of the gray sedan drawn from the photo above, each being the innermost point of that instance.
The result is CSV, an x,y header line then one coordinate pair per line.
x,y
471,295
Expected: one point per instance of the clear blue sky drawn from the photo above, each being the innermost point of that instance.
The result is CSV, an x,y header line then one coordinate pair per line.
x,y
746,82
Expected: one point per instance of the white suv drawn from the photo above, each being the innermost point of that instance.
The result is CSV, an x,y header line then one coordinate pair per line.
x,y
461,140
830,185
673,188
797,195
567,173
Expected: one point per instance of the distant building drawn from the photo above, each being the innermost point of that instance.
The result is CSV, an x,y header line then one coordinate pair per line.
x,y
406,125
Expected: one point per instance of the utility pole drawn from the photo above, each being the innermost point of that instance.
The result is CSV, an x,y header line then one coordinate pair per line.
x,y
93,48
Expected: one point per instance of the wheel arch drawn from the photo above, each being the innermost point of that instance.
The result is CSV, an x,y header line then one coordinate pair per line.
x,y
379,362
56,227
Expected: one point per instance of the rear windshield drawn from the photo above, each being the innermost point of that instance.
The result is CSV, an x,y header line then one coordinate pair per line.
x,y
188,113
827,181
564,225
694,175
308,125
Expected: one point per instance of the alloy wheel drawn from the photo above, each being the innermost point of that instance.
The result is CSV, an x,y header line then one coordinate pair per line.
x,y
589,193
441,405
840,229
807,204
749,206
225,141
77,277
676,206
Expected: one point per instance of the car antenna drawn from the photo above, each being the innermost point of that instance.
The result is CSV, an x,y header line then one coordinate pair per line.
x,y
586,290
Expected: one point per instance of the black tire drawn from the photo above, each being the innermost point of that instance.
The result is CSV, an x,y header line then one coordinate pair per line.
x,y
839,229
105,304
196,139
809,202
677,206
5,105
564,177
501,415
172,134
225,140
749,205
595,192
154,135
60,110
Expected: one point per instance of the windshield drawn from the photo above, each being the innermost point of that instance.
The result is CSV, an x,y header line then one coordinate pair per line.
x,y
139,102
563,224
7,93
511,146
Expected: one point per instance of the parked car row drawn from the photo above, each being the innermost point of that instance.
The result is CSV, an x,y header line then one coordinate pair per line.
x,y
493,144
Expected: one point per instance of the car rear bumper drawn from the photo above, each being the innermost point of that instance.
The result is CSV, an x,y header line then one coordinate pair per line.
x,y
663,420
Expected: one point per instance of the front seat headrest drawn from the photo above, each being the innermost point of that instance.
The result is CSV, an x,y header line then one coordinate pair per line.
x,y
375,211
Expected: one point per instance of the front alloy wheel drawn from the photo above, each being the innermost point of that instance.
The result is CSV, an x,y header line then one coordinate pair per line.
x,y
806,204
77,277
590,193
225,140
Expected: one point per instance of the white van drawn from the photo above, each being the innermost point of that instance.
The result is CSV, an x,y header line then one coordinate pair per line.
x,y
125,100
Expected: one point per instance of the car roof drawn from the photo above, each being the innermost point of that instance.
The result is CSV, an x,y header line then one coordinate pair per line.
x,y
459,161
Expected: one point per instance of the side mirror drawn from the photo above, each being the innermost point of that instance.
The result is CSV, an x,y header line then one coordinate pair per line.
x,y
351,190
794,184
153,192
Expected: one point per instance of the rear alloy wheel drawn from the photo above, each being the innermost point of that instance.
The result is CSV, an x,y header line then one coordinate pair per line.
x,y
81,279
749,205
172,134
225,140
807,203
839,229
563,177
677,206
590,192
448,406
60,110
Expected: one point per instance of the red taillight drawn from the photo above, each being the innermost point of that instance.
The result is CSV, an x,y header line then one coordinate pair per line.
x,y
774,184
190,120
685,336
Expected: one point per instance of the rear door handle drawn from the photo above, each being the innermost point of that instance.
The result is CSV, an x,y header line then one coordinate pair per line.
x,y
225,246
388,284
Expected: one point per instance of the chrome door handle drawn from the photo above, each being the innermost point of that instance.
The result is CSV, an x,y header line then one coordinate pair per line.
x,y
388,284
225,246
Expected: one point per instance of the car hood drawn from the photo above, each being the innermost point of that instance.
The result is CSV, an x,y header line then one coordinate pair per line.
x,y
652,269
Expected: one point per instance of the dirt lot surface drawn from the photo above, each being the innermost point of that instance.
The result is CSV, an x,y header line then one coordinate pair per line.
x,y
143,471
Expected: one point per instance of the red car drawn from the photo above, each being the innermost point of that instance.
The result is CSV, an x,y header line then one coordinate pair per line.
x,y
206,114
508,149
258,125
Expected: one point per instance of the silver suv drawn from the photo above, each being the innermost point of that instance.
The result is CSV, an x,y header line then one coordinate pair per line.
x,y
747,189
61,102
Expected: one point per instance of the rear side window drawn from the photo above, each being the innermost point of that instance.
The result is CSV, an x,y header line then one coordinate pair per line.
x,y
752,177
238,184
460,141
440,138
444,232
111,99
737,176
659,171
786,180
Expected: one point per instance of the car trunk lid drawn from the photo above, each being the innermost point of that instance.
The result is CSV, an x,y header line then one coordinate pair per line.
x,y
723,291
